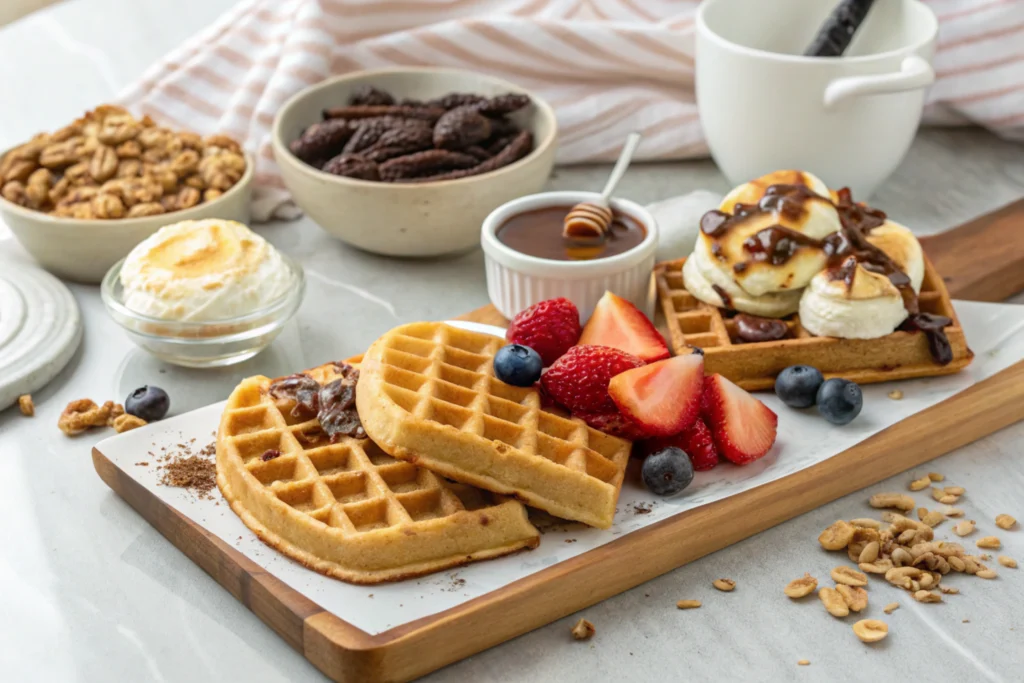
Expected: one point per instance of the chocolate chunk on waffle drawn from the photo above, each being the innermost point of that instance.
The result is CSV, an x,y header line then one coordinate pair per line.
x,y
345,507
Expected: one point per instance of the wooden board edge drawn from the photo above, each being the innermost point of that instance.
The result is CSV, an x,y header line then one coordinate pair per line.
x,y
346,653
606,571
285,611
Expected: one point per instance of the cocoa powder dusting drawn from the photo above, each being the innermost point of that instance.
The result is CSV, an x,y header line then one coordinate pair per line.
x,y
192,470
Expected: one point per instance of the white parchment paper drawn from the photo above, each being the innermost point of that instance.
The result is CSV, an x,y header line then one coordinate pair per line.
x,y
995,332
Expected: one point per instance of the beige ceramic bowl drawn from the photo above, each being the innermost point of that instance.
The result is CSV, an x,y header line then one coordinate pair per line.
x,y
84,250
417,219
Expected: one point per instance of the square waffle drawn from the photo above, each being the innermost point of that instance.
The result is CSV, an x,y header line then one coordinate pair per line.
x,y
427,394
753,366
347,509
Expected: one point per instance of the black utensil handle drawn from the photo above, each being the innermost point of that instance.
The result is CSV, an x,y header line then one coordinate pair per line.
x,y
837,32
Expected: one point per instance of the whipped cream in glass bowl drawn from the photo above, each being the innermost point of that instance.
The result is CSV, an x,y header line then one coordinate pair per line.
x,y
203,293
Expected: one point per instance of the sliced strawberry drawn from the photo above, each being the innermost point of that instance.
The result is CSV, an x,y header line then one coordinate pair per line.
x,y
614,423
663,397
620,325
579,379
743,427
696,441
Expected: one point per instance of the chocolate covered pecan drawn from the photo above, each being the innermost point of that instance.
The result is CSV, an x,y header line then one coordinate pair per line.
x,y
425,163
460,128
369,95
322,140
456,99
520,146
503,104
365,111
352,166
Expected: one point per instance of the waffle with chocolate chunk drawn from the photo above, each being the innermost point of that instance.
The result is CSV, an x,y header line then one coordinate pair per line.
x,y
340,505
754,365
428,395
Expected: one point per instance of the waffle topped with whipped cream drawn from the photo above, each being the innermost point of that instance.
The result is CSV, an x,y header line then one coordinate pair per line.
x,y
788,272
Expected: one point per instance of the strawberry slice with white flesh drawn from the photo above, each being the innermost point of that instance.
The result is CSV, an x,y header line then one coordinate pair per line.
x,y
662,398
743,427
621,325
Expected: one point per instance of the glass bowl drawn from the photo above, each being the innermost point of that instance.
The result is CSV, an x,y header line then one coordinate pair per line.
x,y
204,344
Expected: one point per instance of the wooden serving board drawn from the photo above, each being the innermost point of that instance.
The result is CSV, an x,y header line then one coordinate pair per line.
x,y
346,653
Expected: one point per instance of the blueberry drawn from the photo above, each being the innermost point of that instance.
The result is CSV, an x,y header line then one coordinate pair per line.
x,y
839,400
517,365
798,385
148,403
667,471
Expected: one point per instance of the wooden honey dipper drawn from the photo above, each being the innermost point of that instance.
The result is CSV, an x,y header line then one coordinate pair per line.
x,y
591,221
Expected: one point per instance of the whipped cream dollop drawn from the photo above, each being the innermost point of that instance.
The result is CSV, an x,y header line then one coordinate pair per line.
x,y
204,270
900,244
851,302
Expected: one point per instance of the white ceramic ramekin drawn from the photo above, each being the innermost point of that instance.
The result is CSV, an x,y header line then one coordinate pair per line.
x,y
516,280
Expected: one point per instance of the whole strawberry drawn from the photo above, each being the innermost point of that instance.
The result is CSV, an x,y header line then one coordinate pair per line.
x,y
579,379
614,423
549,328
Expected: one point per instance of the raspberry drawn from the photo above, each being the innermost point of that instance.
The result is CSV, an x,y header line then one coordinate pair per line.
x,y
579,379
697,441
614,423
549,328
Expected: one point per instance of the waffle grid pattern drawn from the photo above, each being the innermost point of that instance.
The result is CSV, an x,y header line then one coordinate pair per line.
x,y
350,490
693,323
352,485
444,375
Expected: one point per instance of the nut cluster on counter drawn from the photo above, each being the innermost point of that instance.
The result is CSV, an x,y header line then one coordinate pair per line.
x,y
109,164
378,138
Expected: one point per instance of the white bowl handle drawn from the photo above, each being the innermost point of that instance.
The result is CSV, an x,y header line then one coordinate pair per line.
x,y
914,73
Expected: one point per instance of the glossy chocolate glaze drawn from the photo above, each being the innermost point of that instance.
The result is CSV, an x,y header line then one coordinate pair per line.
x,y
845,250
539,233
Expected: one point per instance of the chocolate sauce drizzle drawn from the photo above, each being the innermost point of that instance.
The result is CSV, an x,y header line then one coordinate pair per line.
x,y
333,404
845,250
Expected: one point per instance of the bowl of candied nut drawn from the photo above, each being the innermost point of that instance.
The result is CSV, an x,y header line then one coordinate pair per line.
x,y
78,199
409,161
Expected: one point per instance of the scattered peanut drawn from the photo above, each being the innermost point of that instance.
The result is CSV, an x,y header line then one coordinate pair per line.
x,y
803,662
851,577
833,602
866,523
26,406
964,528
933,518
920,484
688,604
986,574
1005,521
869,553
856,598
950,511
944,497
724,584
891,607
949,590
891,500
927,596
798,588
895,394
870,630
955,490
989,543
837,536
1008,562
583,630
935,476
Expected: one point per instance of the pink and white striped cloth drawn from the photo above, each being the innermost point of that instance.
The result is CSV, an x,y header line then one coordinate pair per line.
x,y
607,67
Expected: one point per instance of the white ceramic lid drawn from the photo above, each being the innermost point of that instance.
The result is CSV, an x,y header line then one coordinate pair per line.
x,y
40,328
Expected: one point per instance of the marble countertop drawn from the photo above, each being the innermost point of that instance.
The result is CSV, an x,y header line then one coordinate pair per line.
x,y
93,593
